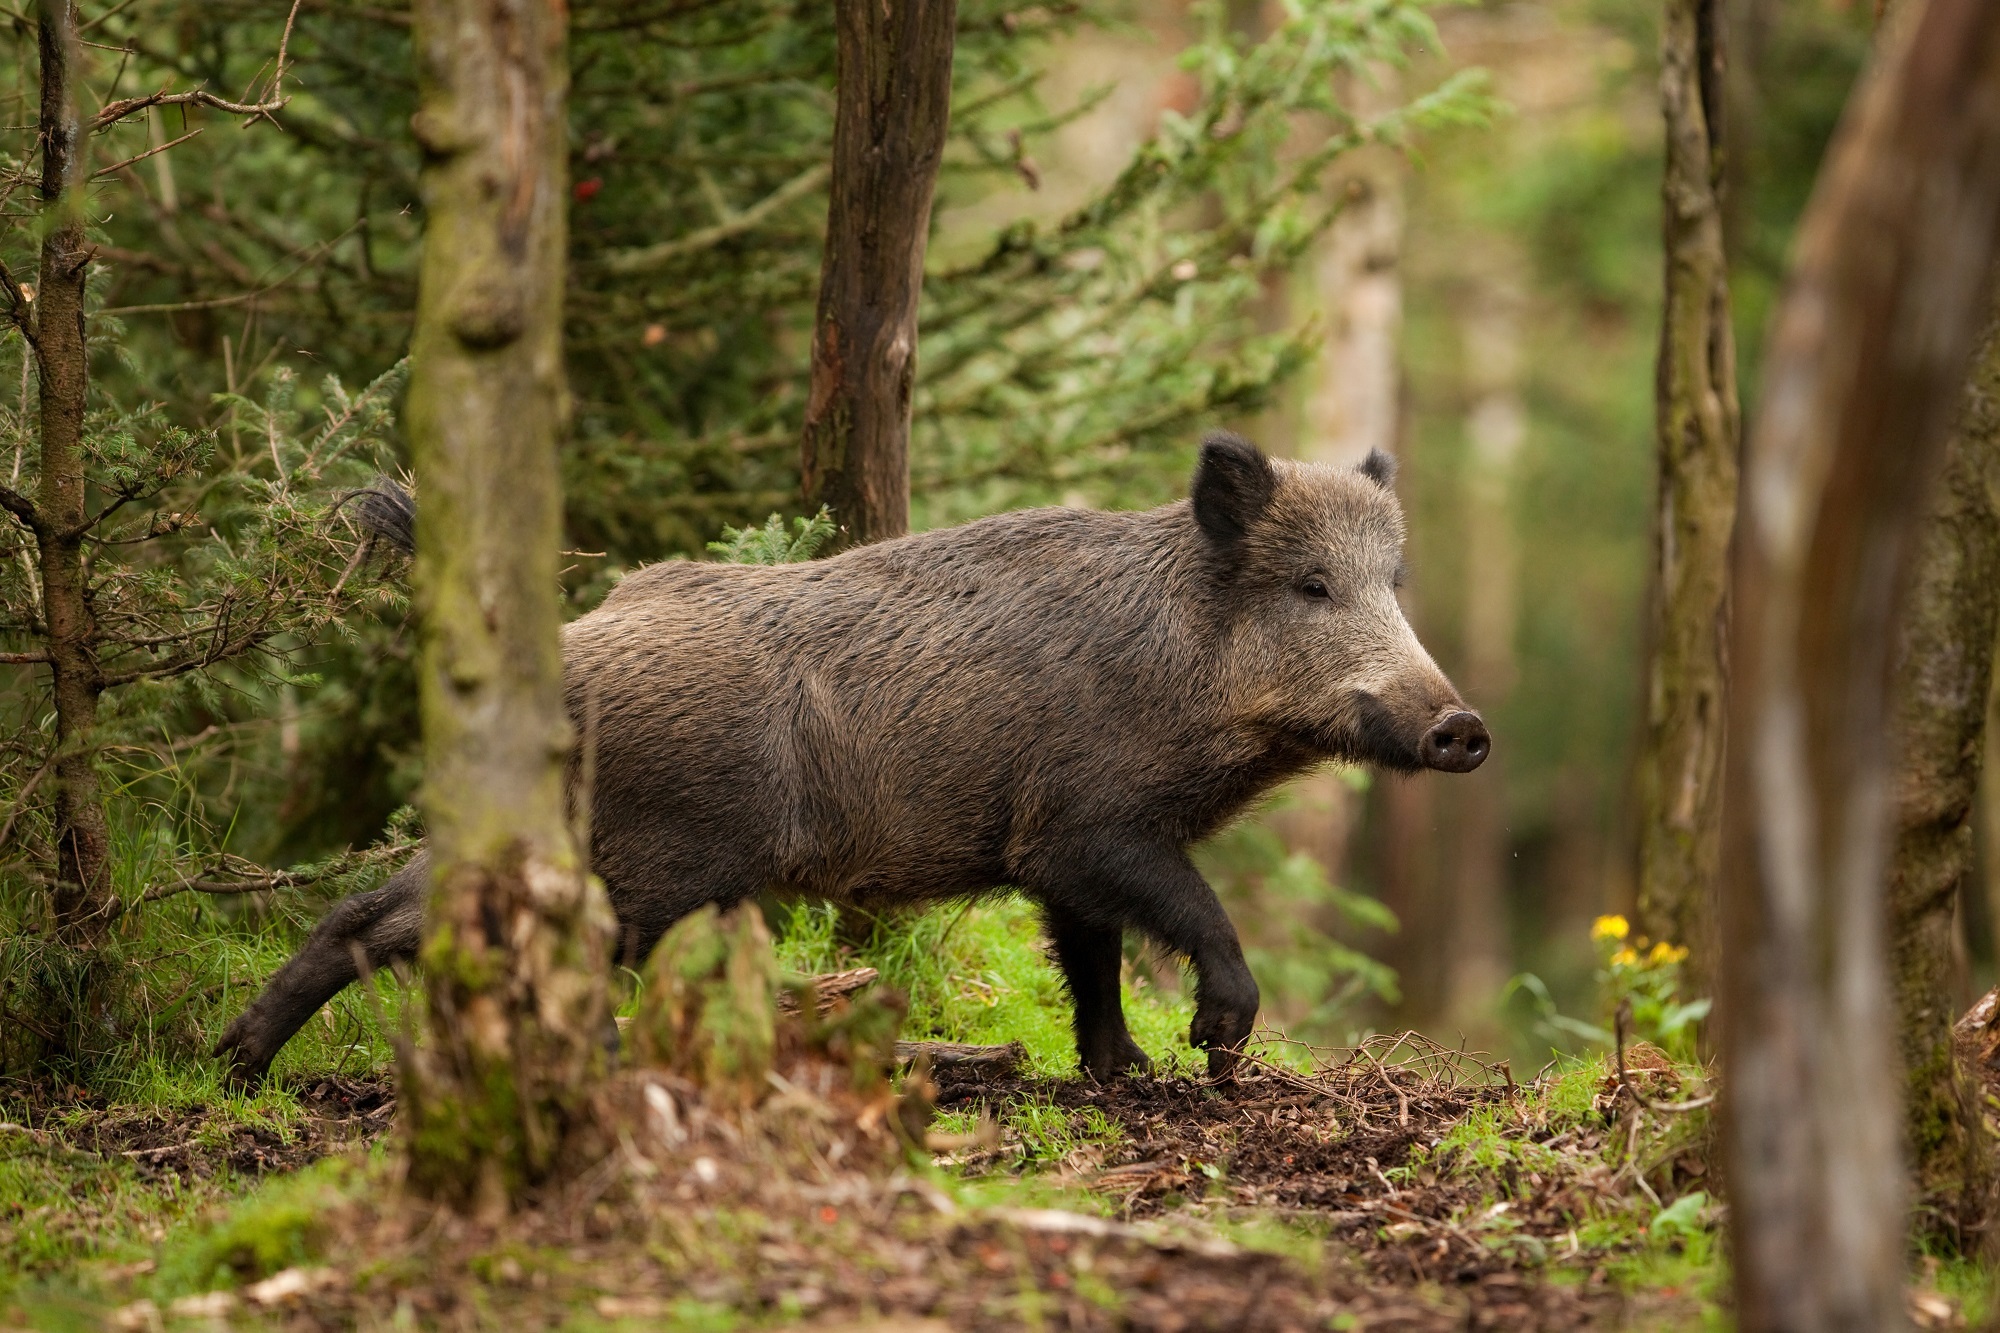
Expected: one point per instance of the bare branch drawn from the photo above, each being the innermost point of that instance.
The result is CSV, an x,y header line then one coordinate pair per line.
x,y
117,167
17,306
23,659
317,253
21,800
649,257
282,879
274,100
19,505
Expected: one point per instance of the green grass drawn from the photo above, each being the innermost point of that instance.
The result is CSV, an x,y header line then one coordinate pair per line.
x,y
975,972
1672,1246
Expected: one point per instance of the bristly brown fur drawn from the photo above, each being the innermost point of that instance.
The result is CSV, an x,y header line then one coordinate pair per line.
x,y
1056,699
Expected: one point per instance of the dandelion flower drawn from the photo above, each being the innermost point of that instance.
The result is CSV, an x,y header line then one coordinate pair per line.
x,y
1610,928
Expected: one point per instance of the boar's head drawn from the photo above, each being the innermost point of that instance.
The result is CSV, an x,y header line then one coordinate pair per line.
x,y
1308,559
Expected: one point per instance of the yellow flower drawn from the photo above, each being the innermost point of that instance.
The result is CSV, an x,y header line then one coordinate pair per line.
x,y
1664,953
1610,928
1625,958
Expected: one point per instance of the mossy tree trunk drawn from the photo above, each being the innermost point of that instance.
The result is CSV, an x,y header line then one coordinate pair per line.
x,y
516,938
1944,678
1697,425
894,101
84,906
1869,349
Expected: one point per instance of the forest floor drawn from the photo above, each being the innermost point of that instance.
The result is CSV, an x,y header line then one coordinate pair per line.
x,y
1397,1185
1404,1186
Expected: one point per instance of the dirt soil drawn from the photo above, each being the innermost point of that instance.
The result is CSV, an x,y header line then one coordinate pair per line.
x,y
802,1212
203,1141
1317,1150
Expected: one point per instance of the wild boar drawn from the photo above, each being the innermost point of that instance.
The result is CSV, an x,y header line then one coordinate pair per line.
x,y
1054,700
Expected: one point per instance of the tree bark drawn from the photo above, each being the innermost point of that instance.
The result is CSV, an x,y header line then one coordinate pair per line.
x,y
1943,682
516,939
1697,424
893,104
83,902
1869,349
1477,950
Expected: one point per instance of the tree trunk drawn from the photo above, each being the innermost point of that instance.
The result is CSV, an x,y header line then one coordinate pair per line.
x,y
1868,352
894,100
84,907
1477,949
1352,406
1944,680
1680,763
515,945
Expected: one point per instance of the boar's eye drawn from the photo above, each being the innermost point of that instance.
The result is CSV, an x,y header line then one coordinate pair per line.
x,y
1315,587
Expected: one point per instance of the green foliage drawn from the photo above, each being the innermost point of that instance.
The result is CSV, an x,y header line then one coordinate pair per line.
x,y
215,556
772,544
1645,980
279,1226
707,1009
976,972
1642,978
1570,1137
1048,1134
185,963
1315,986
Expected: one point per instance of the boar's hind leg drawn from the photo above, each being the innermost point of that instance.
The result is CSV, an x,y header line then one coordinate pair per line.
x,y
385,925
1090,954
1157,889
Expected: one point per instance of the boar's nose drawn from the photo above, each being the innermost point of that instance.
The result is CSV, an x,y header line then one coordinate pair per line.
x,y
1456,743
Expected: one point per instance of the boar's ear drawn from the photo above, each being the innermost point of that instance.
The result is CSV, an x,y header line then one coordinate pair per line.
x,y
1379,468
1233,483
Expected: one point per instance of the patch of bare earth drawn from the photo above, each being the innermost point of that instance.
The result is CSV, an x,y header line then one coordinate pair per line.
x,y
1320,1150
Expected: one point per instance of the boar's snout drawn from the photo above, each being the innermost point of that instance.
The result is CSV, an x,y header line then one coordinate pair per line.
x,y
1456,743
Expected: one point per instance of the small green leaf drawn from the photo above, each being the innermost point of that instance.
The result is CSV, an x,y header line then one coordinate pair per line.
x,y
1682,1217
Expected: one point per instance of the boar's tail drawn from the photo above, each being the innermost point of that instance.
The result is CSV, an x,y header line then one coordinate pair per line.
x,y
386,512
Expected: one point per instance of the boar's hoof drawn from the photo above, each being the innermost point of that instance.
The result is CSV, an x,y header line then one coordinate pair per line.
x,y
1124,1057
1456,743
245,1068
1221,1030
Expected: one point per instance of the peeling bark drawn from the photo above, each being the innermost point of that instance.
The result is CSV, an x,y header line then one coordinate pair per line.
x,y
1697,424
889,124
516,941
1869,349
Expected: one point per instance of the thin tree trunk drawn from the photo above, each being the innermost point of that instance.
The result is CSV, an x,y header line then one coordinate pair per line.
x,y
1680,764
1351,408
83,901
515,946
1869,349
1477,952
1944,680
893,104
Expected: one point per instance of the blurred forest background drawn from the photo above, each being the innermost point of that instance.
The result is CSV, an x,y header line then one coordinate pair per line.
x,y
1152,219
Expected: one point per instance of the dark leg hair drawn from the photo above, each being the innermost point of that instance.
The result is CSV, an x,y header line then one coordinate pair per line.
x,y
1157,889
1090,956
386,924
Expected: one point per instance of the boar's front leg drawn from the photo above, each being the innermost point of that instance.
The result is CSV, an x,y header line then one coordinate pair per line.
x,y
1157,889
1091,954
